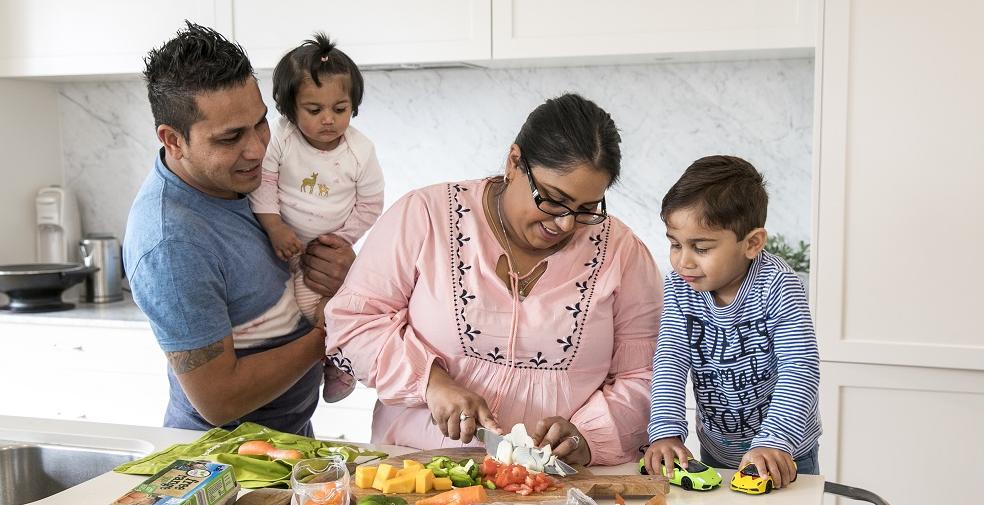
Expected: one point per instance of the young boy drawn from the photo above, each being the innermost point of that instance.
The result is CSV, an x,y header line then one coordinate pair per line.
x,y
737,318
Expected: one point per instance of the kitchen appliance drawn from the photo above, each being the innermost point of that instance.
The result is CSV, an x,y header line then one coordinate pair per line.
x,y
104,285
59,226
39,287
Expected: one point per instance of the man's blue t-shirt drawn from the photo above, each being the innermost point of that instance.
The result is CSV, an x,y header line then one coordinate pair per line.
x,y
198,266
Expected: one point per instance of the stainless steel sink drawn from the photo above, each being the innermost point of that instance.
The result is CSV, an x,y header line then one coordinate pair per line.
x,y
32,471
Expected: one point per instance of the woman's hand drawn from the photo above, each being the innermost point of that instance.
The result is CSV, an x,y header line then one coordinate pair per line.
x,y
566,441
457,411
326,262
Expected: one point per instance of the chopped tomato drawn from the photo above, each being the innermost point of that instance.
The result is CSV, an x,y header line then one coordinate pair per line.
x,y
510,474
489,466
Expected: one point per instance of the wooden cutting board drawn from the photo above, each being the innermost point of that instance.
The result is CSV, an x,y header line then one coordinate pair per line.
x,y
596,486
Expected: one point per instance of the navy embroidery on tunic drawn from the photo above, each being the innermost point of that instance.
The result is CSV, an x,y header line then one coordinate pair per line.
x,y
469,336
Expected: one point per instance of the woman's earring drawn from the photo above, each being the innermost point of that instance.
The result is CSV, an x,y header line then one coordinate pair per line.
x,y
505,179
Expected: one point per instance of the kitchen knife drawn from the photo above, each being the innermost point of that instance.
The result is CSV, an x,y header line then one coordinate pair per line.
x,y
492,440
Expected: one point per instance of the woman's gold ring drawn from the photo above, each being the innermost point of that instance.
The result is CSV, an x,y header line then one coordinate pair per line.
x,y
463,416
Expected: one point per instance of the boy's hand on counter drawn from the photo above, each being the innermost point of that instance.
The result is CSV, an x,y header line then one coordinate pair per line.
x,y
662,452
771,462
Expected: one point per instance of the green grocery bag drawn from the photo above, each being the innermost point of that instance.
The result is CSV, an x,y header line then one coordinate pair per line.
x,y
251,472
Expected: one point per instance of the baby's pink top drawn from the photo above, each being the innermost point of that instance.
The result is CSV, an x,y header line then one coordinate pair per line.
x,y
424,289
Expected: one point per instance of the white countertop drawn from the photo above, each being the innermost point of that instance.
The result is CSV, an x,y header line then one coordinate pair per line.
x,y
807,490
122,314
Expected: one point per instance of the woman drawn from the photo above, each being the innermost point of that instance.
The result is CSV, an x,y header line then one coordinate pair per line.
x,y
514,299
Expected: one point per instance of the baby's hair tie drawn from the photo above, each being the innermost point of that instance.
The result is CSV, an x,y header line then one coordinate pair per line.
x,y
324,58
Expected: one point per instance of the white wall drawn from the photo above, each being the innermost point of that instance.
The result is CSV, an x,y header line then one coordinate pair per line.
x,y
30,157
433,126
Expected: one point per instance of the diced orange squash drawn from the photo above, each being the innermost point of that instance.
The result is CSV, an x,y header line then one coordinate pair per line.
x,y
425,481
442,483
409,463
402,484
383,473
406,471
364,475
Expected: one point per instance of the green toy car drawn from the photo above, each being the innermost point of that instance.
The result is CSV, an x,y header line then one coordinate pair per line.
x,y
697,476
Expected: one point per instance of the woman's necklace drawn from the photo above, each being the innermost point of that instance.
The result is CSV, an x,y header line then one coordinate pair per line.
x,y
523,282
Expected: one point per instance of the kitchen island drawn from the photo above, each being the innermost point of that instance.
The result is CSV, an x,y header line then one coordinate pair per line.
x,y
807,490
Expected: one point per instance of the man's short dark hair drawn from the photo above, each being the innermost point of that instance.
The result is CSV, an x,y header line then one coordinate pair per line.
x,y
726,191
198,59
315,58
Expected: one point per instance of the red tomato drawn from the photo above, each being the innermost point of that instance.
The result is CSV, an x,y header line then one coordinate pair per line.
x,y
518,474
489,466
510,474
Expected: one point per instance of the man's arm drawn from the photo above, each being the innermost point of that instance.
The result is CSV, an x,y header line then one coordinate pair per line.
x,y
223,387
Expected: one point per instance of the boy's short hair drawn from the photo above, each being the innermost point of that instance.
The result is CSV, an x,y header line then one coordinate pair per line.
x,y
726,191
198,59
314,57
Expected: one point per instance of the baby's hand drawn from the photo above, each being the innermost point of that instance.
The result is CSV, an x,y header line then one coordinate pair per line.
x,y
775,462
285,242
662,452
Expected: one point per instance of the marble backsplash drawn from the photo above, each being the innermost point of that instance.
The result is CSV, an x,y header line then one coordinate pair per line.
x,y
449,124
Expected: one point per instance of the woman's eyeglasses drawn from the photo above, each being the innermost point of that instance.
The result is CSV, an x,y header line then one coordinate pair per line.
x,y
557,209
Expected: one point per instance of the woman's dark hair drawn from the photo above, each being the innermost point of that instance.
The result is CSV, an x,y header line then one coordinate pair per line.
x,y
726,191
196,60
568,131
315,57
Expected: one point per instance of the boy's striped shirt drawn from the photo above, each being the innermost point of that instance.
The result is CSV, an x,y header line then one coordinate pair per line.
x,y
754,364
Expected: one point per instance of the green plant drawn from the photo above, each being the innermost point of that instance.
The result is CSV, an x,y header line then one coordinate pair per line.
x,y
797,257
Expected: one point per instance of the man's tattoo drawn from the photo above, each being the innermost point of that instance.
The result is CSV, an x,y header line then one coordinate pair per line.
x,y
186,361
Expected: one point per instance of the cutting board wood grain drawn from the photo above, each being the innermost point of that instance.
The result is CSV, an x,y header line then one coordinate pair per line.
x,y
596,486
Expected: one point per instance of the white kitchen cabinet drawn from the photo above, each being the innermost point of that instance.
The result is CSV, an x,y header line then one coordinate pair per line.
x,y
115,372
349,419
896,186
620,31
902,431
371,32
97,373
40,38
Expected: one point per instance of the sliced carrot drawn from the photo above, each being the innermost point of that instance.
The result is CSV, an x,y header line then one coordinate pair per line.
x,y
619,500
461,496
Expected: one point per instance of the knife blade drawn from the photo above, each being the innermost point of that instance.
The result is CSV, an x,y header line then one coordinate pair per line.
x,y
492,440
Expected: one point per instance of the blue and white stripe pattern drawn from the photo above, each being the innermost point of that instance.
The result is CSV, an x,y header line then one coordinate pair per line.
x,y
754,364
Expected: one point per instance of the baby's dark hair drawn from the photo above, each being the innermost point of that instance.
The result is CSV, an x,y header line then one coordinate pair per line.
x,y
726,190
568,130
314,58
198,59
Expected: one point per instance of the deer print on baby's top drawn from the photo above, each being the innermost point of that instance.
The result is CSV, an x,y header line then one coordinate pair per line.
x,y
309,182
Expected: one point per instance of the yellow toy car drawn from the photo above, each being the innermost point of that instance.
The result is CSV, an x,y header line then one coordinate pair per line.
x,y
747,480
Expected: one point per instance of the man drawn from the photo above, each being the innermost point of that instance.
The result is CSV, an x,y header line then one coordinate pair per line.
x,y
201,268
